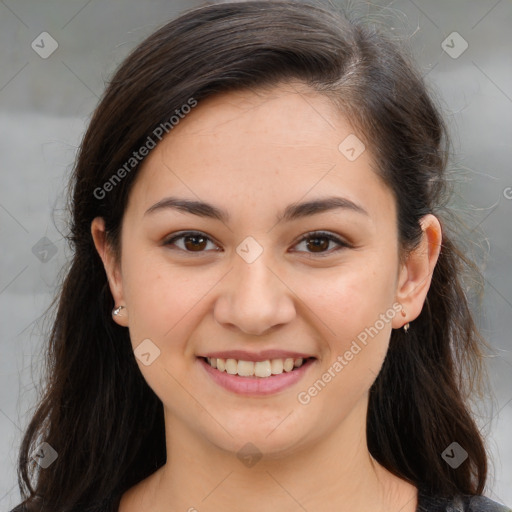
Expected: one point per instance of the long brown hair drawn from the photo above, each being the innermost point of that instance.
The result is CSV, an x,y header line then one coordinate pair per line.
x,y
98,413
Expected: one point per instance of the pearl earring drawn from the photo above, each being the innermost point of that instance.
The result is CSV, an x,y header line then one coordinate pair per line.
x,y
117,310
407,325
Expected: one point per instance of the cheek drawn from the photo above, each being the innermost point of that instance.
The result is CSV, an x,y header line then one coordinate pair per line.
x,y
165,307
165,299
351,294
348,303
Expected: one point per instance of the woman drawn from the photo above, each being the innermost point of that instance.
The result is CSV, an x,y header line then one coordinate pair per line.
x,y
264,309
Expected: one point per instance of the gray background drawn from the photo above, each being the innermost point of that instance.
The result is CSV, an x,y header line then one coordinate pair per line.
x,y
45,104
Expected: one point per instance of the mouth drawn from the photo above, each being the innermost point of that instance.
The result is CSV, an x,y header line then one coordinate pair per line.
x,y
256,369
239,377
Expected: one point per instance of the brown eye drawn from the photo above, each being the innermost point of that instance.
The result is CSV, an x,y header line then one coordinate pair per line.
x,y
318,243
192,242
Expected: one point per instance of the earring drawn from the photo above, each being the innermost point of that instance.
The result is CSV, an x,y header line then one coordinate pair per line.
x,y
117,310
407,325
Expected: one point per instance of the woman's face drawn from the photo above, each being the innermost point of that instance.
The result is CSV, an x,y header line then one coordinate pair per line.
x,y
246,282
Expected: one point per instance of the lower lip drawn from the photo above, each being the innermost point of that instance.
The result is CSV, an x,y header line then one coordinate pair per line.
x,y
256,386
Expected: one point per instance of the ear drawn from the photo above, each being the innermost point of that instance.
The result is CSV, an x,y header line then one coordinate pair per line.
x,y
111,268
415,274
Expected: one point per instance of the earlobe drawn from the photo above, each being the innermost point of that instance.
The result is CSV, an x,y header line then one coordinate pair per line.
x,y
111,269
416,273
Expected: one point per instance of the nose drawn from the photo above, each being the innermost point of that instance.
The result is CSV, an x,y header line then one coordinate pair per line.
x,y
253,298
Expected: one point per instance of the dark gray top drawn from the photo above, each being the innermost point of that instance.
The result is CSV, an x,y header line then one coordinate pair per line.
x,y
426,503
463,503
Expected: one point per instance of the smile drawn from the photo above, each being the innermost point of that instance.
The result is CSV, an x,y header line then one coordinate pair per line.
x,y
261,369
256,378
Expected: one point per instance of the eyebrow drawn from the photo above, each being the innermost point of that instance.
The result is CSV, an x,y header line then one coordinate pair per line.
x,y
291,212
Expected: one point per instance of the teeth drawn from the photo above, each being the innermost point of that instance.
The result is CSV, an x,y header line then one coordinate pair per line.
x,y
258,369
245,368
231,366
276,366
262,368
288,364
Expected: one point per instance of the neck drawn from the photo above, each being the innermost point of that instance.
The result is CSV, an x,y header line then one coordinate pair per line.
x,y
334,472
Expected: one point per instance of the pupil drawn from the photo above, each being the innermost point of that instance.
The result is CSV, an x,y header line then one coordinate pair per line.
x,y
193,237
321,245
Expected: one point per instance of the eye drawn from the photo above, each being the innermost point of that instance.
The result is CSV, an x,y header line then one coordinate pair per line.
x,y
193,241
318,242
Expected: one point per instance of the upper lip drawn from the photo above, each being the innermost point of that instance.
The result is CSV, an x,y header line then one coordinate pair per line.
x,y
256,356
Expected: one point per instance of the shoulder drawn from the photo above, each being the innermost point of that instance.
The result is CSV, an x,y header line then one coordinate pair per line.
x,y
483,504
20,508
462,503
110,504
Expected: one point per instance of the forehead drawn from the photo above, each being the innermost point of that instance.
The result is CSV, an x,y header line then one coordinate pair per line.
x,y
278,144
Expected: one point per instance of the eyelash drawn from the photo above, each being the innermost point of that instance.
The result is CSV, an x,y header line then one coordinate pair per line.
x,y
313,234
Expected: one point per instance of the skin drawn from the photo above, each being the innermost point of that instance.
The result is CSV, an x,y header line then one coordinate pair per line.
x,y
252,154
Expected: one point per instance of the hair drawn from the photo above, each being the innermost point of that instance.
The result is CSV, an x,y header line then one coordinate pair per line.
x,y
97,411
